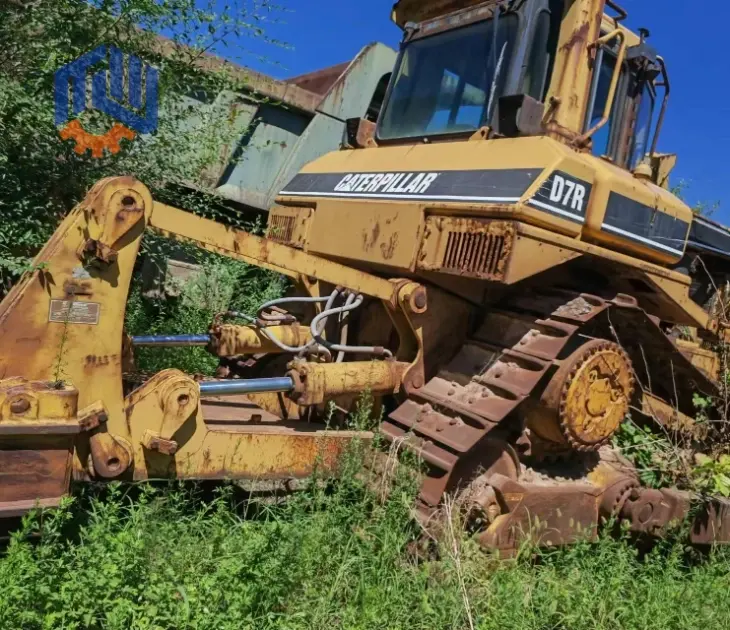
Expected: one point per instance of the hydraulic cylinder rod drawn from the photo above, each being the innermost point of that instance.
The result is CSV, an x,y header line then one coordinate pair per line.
x,y
171,341
246,386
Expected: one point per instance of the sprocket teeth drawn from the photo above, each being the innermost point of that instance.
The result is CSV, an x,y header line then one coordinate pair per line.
x,y
565,429
85,141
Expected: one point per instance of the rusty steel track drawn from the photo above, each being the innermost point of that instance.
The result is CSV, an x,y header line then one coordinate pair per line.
x,y
490,377
451,423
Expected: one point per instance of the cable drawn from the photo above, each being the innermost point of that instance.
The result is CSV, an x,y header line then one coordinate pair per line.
x,y
344,327
322,317
290,300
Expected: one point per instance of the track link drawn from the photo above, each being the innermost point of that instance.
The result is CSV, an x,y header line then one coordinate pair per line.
x,y
448,421
489,378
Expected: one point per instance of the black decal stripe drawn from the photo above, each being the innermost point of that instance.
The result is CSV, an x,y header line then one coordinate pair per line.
x,y
644,224
543,195
559,212
494,186
709,236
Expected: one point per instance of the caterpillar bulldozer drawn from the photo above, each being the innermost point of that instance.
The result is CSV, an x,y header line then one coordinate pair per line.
x,y
498,261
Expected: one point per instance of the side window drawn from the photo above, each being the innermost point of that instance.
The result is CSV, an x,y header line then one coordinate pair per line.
x,y
600,91
378,97
644,117
539,60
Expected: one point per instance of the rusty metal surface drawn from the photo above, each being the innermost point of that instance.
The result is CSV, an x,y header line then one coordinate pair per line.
x,y
649,511
319,81
235,411
360,133
439,14
276,141
669,417
660,367
450,424
27,475
110,455
588,397
569,90
228,340
712,525
467,247
484,383
547,515
317,382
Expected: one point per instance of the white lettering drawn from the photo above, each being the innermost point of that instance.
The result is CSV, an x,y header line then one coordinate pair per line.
x,y
419,183
556,194
387,178
402,186
415,183
579,197
374,183
427,181
354,183
364,183
343,182
396,181
570,186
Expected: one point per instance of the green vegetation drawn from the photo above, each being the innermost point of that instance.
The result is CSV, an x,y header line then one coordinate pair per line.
x,y
41,177
222,284
332,556
335,555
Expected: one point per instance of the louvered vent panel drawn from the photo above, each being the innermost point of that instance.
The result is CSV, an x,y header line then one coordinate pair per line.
x,y
474,253
281,228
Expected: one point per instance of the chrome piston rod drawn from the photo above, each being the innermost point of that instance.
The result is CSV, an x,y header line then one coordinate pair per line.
x,y
171,341
246,386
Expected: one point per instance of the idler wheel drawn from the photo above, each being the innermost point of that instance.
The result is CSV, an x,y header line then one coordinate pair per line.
x,y
587,399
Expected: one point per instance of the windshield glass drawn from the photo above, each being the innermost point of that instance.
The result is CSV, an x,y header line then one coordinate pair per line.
x,y
450,82
602,137
640,142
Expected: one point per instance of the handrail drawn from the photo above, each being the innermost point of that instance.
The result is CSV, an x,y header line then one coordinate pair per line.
x,y
599,43
660,120
622,13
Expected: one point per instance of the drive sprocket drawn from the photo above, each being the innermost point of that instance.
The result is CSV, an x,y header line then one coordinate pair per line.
x,y
587,399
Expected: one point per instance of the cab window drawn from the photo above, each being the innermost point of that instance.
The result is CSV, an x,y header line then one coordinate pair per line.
x,y
644,118
602,144
541,56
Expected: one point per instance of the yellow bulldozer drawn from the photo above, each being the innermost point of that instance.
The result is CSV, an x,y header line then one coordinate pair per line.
x,y
498,261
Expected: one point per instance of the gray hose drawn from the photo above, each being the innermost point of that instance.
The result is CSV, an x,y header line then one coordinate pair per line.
x,y
289,300
297,349
344,327
322,317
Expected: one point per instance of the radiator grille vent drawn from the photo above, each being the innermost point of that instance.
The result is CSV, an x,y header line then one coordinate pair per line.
x,y
474,253
281,228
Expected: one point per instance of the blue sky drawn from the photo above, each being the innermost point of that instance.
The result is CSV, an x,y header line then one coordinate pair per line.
x,y
325,32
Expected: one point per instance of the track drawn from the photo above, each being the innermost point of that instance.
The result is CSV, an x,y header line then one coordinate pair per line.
x,y
468,419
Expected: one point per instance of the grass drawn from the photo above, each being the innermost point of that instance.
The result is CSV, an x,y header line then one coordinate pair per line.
x,y
222,284
335,555
332,556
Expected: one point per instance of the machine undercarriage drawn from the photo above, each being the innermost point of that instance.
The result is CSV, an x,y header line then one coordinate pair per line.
x,y
495,400
499,262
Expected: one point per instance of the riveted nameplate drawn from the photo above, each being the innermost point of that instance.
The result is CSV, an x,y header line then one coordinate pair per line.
x,y
67,311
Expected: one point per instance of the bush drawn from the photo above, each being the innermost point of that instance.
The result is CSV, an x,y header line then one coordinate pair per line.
x,y
41,177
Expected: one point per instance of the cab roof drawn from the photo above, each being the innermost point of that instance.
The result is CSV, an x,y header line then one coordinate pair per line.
x,y
417,11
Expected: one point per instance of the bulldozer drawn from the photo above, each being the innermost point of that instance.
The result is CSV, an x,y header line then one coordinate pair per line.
x,y
499,262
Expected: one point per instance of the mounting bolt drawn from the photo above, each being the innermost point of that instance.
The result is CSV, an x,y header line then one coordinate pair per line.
x,y
20,406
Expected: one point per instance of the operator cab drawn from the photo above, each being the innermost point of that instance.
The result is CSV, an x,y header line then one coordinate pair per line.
x,y
490,65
